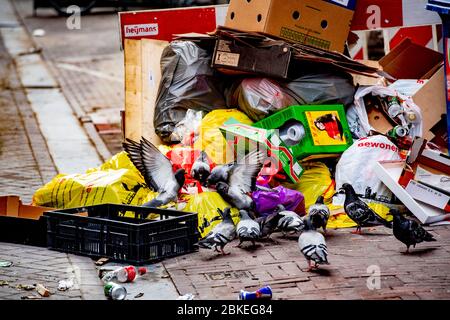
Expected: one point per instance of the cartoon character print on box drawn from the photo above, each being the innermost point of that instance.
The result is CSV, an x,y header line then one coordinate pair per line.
x,y
326,128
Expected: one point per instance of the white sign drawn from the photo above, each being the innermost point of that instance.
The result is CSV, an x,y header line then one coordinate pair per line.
x,y
137,30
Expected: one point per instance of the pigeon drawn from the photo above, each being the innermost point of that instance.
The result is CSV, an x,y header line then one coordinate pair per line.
x,y
247,228
156,170
359,211
241,181
223,173
409,231
221,234
268,224
220,173
289,221
313,246
200,169
319,213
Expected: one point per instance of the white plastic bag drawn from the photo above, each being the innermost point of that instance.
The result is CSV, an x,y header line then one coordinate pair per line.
x,y
407,104
356,166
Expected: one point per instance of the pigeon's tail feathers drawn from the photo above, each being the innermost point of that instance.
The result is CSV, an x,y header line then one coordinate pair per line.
x,y
320,200
155,203
245,233
387,224
428,237
206,243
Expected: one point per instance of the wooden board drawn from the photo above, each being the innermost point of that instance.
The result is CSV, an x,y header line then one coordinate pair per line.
x,y
142,79
151,77
133,89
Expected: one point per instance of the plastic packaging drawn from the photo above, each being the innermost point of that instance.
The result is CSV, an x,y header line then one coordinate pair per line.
x,y
188,83
187,129
356,166
267,201
206,205
116,181
315,181
211,139
260,97
409,112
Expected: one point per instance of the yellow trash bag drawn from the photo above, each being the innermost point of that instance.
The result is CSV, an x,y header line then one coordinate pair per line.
x,y
206,205
315,181
211,139
116,181
339,218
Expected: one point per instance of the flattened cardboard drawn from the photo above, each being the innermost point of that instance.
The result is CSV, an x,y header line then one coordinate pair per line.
x,y
322,24
232,57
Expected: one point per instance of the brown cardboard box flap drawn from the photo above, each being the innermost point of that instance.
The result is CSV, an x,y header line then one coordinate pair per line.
x,y
411,61
12,206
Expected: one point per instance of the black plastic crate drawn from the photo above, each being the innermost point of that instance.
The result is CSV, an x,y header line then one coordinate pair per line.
x,y
106,232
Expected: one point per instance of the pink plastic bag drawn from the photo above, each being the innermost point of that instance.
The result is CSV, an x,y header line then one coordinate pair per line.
x,y
267,201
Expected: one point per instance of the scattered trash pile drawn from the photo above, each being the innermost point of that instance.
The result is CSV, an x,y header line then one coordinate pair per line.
x,y
256,134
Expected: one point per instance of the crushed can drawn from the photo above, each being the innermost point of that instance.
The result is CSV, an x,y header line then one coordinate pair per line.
x,y
115,291
263,293
130,273
398,132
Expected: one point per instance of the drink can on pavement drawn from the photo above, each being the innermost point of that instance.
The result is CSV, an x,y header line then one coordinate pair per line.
x,y
263,293
115,291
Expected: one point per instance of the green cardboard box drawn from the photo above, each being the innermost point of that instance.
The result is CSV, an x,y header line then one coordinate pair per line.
x,y
324,130
245,137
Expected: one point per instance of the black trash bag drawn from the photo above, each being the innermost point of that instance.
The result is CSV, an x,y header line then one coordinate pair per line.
x,y
323,88
260,97
187,82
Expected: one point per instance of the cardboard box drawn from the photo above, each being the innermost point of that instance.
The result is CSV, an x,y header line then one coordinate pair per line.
x,y
232,57
389,173
325,130
320,23
426,194
412,61
21,223
245,137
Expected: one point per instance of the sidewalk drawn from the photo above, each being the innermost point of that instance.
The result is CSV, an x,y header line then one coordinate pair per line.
x,y
424,274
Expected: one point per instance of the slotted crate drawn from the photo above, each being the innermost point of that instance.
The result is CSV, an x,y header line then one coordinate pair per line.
x,y
105,231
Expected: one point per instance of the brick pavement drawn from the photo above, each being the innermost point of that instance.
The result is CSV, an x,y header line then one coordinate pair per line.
x,y
425,274
33,265
24,158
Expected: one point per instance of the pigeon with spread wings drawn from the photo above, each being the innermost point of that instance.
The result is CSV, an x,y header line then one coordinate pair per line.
x,y
242,181
156,170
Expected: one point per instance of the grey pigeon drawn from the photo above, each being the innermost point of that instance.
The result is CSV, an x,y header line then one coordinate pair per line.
x,y
156,170
319,213
289,221
221,234
247,228
409,231
200,169
241,181
220,174
268,224
359,211
313,246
